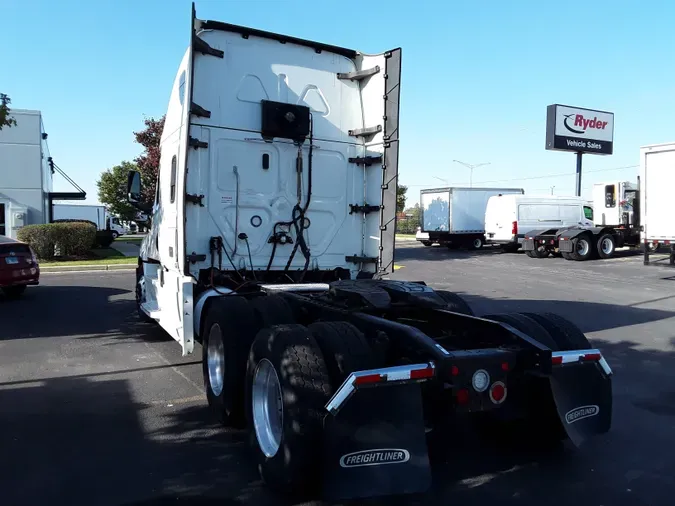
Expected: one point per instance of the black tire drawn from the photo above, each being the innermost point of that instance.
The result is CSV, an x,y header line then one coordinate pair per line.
x,y
14,292
526,325
115,234
606,246
305,390
272,310
454,302
232,320
427,243
566,255
565,333
530,253
582,247
344,349
540,253
477,243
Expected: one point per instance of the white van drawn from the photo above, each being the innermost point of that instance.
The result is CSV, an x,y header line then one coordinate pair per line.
x,y
509,217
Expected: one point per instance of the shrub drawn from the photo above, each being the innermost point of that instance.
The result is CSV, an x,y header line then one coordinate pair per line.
x,y
41,239
74,221
104,238
70,239
74,239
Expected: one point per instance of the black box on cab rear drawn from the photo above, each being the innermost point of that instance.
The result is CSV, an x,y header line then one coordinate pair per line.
x,y
285,121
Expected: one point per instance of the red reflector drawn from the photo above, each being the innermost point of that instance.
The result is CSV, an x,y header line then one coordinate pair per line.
x,y
497,392
422,373
556,360
666,242
463,396
592,356
454,370
514,228
370,378
505,366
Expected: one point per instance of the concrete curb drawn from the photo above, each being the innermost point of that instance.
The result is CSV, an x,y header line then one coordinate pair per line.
x,y
90,267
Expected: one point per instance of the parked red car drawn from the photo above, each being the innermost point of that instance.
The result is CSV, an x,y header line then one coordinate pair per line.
x,y
18,267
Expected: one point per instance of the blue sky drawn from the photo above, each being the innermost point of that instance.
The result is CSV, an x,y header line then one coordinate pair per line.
x,y
477,76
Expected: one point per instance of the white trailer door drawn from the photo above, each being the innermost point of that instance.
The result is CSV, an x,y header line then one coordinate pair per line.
x,y
658,184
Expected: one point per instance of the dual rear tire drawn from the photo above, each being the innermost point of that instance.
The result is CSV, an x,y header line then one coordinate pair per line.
x,y
264,371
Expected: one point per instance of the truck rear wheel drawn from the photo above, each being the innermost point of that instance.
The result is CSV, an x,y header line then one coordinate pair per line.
x,y
344,349
454,302
526,325
606,246
287,387
582,248
272,310
427,243
476,243
565,333
229,330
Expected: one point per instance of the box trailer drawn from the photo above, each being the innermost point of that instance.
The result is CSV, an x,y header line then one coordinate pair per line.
x,y
657,180
270,245
455,217
95,214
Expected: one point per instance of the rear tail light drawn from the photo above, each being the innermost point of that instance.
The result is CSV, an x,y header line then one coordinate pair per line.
x,y
462,396
498,392
514,228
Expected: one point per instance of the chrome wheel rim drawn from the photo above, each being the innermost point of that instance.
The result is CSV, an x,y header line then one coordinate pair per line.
x,y
215,360
583,247
268,408
607,246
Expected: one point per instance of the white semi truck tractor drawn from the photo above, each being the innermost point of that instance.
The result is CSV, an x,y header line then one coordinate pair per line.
x,y
271,242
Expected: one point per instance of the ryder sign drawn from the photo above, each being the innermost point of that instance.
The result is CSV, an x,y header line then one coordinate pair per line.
x,y
579,130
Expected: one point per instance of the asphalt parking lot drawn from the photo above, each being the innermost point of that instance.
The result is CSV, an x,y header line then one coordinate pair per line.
x,y
98,409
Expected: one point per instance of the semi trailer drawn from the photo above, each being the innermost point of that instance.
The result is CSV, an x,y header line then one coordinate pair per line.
x,y
616,224
455,217
271,243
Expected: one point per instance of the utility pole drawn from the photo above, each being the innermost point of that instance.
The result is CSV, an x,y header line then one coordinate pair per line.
x,y
552,187
471,167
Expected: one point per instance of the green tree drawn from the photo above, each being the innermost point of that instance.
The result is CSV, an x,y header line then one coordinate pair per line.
x,y
5,120
400,198
112,190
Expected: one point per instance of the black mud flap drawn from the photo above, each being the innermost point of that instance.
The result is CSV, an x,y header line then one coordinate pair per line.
x,y
376,445
583,399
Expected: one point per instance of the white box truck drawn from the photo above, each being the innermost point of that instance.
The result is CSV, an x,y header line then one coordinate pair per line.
x,y
96,214
271,240
657,180
455,217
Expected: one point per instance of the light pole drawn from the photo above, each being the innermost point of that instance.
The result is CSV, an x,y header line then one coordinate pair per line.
x,y
471,167
441,179
552,187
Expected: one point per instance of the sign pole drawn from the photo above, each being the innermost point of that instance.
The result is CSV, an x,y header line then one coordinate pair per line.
x,y
579,155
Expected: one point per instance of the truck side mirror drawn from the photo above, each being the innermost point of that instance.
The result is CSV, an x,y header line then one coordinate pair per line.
x,y
134,187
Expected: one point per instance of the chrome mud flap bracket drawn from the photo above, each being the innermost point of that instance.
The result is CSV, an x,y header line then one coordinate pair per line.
x,y
581,384
375,444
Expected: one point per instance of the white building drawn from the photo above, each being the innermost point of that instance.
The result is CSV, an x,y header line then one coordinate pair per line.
x,y
26,170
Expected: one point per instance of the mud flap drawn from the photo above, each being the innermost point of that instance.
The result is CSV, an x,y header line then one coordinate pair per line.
x,y
583,399
376,445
